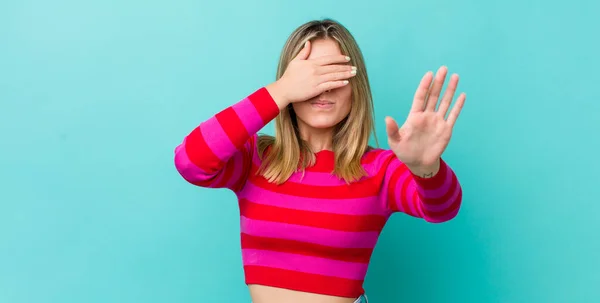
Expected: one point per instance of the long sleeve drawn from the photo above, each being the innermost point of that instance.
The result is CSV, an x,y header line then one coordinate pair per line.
x,y
218,153
436,199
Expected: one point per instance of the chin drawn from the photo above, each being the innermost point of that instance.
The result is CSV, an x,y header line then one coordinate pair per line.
x,y
321,123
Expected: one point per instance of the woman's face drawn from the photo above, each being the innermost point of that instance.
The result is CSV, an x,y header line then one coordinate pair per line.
x,y
329,108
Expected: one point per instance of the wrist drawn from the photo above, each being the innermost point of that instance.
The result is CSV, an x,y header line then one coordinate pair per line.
x,y
278,94
425,171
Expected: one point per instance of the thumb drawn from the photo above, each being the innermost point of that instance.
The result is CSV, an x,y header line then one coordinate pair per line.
x,y
392,130
304,52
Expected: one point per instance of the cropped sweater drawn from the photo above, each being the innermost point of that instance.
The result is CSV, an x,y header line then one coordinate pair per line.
x,y
314,233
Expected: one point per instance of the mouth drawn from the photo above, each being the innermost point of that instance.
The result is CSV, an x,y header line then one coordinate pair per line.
x,y
322,103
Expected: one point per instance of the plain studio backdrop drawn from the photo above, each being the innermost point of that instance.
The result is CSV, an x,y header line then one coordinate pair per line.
x,y
95,95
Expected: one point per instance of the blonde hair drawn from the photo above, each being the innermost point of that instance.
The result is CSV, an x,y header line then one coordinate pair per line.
x,y
288,153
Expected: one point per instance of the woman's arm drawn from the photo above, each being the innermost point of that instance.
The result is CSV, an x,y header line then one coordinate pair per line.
x,y
218,153
419,182
436,198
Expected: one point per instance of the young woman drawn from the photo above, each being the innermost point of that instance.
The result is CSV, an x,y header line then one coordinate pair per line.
x,y
314,198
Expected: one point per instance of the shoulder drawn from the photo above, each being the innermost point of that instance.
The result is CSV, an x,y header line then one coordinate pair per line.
x,y
376,159
377,154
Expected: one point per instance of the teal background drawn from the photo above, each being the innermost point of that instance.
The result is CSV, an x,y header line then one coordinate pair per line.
x,y
95,95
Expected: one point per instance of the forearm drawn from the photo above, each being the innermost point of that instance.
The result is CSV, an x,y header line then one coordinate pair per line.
x,y
278,94
209,147
437,194
430,192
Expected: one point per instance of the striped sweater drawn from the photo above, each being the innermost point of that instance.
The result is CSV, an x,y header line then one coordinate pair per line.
x,y
314,233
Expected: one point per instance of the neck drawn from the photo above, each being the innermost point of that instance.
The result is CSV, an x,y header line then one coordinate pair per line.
x,y
318,139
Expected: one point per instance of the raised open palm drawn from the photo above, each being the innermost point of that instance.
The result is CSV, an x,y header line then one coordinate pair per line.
x,y
425,134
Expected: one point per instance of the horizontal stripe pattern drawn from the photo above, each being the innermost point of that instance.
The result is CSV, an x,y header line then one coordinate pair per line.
x,y
436,199
265,106
235,169
305,264
360,255
249,116
347,206
218,152
324,179
313,283
332,221
316,179
216,139
445,202
320,174
441,189
233,128
447,213
188,170
361,189
313,233
200,153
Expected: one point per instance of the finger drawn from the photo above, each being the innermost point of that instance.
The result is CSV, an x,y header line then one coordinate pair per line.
x,y
436,88
331,85
448,96
331,59
391,128
304,52
421,93
456,109
321,70
338,76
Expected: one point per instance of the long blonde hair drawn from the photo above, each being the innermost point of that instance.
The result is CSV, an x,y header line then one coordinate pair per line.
x,y
288,153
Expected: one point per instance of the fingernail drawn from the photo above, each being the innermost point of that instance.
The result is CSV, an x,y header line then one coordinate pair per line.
x,y
345,82
354,68
347,58
353,72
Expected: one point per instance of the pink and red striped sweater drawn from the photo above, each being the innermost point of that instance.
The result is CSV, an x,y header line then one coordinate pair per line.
x,y
313,233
